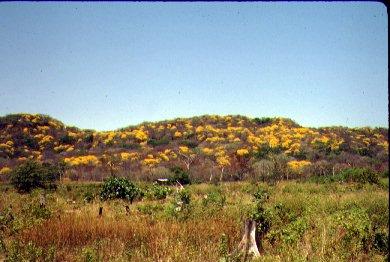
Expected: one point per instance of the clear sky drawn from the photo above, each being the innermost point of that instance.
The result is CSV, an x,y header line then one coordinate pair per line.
x,y
109,65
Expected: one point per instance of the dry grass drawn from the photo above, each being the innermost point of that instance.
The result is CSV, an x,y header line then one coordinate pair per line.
x,y
138,236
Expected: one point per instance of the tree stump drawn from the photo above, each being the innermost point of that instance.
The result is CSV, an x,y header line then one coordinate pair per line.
x,y
42,201
249,243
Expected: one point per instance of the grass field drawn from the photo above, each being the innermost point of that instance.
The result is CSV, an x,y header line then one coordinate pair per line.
x,y
308,221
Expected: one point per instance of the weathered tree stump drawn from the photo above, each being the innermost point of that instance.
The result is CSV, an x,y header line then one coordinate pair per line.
x,y
250,241
42,200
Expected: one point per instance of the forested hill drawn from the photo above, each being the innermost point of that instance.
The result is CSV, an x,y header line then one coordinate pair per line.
x,y
230,144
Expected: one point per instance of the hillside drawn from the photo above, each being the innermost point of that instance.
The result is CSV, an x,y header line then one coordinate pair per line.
x,y
203,145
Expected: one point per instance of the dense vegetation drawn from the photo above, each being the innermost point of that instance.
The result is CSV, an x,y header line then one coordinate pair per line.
x,y
208,148
316,194
203,222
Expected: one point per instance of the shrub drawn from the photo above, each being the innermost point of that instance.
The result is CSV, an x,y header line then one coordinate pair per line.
x,y
158,192
32,174
158,142
120,188
67,139
180,176
357,226
262,120
189,143
216,198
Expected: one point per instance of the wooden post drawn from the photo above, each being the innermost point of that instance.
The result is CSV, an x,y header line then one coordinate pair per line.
x,y
248,245
100,211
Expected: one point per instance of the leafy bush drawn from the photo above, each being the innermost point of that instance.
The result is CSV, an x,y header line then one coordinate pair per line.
x,y
32,174
158,142
215,198
357,226
158,192
180,176
184,197
121,188
189,143
262,120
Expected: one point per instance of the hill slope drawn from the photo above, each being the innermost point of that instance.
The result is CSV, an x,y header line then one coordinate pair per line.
x,y
226,143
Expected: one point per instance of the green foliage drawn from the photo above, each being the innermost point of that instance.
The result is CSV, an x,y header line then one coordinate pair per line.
x,y
358,175
179,208
183,197
158,142
224,248
262,120
149,208
357,226
119,188
261,214
189,143
66,139
214,198
158,192
18,251
265,150
89,254
381,242
88,196
179,175
32,174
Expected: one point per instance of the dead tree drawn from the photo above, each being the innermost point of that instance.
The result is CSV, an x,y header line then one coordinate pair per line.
x,y
248,246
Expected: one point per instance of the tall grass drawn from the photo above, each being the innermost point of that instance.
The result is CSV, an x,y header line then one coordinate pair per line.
x,y
309,221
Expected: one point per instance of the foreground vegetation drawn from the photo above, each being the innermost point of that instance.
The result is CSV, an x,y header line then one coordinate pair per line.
x,y
301,220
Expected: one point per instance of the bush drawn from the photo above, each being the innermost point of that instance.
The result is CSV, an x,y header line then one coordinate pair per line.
x,y
262,121
158,192
32,174
120,188
180,176
214,198
158,142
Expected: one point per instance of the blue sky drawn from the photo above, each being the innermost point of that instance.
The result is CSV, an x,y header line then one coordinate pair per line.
x,y
109,65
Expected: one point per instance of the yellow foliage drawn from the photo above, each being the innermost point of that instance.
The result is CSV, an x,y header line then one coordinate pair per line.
x,y
5,171
242,152
150,161
82,160
184,149
214,139
223,161
297,166
199,129
207,151
125,156
140,135
163,156
46,140
178,134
